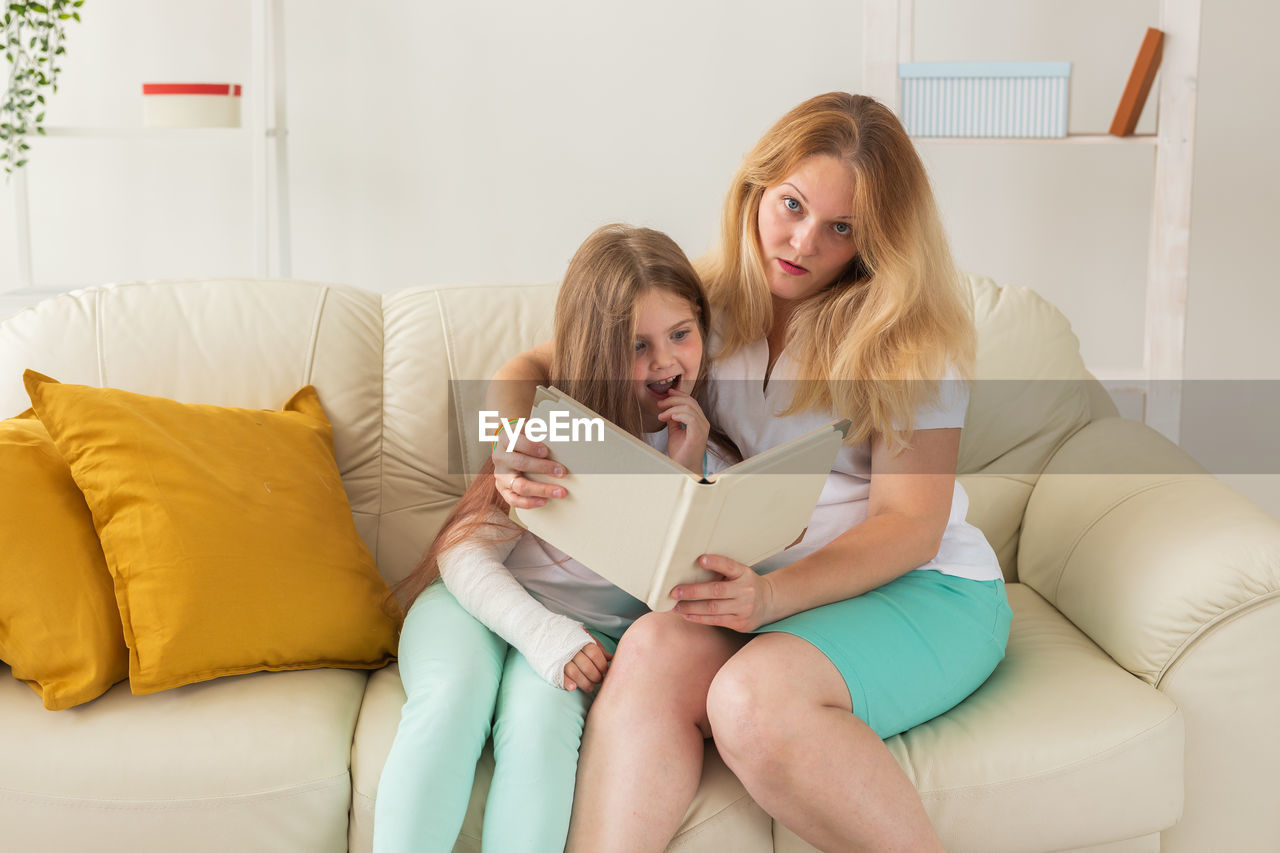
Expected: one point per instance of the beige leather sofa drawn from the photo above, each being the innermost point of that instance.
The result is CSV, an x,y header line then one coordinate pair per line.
x,y
1136,708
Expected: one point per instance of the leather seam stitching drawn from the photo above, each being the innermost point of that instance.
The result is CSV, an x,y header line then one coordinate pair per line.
x,y
182,802
1223,619
1080,537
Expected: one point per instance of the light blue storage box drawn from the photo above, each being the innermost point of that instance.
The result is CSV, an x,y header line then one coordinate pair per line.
x,y
985,98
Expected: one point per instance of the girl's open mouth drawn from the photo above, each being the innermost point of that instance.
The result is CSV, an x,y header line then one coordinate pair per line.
x,y
660,389
790,268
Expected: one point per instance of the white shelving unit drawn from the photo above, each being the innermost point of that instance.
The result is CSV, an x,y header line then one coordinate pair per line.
x,y
263,125
888,39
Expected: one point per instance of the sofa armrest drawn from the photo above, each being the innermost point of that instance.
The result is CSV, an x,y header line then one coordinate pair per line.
x,y
1177,577
1143,549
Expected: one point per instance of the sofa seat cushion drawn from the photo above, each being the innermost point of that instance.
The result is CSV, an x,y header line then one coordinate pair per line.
x,y
722,816
246,763
1060,749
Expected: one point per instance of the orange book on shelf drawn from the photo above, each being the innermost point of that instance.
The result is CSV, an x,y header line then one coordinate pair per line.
x,y
1139,85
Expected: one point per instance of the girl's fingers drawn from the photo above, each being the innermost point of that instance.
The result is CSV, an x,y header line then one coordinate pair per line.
x,y
596,653
575,678
670,400
587,666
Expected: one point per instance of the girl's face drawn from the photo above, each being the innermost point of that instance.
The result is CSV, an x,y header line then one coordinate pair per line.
x,y
806,227
668,351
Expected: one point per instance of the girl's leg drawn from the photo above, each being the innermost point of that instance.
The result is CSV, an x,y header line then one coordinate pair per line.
x,y
784,725
450,665
642,749
537,729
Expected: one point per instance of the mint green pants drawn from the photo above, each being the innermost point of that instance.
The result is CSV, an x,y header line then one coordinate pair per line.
x,y
463,683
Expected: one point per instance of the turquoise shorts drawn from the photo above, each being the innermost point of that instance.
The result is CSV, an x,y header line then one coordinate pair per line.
x,y
913,648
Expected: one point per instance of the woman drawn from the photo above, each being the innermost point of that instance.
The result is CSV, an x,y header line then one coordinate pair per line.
x,y
833,294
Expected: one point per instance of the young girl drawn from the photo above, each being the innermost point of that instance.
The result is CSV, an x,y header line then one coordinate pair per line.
x,y
835,294
517,649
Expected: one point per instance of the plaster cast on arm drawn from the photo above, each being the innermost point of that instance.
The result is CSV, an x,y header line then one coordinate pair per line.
x,y
474,572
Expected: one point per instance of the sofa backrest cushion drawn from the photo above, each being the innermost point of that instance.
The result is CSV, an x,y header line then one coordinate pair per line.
x,y
442,346
1031,393
244,343
394,371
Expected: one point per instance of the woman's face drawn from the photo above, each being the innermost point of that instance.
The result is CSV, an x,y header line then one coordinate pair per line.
x,y
806,227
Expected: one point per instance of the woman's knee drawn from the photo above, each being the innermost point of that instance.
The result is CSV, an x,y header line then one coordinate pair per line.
x,y
653,644
662,669
747,720
665,644
763,698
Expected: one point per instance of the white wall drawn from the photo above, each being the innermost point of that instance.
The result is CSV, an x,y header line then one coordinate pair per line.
x,y
456,143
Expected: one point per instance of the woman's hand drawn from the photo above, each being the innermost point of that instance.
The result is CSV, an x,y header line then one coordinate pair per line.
x,y
510,468
742,601
511,391
687,428
588,667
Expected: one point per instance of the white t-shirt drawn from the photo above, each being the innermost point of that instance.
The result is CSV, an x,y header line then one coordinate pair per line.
x,y
747,410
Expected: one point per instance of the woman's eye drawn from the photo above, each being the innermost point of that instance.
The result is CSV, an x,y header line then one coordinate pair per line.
x,y
680,335
843,228
790,203
639,347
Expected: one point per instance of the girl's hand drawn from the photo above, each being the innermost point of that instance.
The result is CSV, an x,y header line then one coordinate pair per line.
x,y
742,601
687,428
588,667
510,467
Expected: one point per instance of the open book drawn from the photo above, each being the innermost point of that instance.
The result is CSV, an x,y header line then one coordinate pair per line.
x,y
639,519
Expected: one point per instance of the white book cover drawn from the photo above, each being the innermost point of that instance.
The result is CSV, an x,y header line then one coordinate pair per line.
x,y
639,519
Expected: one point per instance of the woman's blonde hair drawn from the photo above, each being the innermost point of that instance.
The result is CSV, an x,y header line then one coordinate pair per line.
x,y
595,326
896,320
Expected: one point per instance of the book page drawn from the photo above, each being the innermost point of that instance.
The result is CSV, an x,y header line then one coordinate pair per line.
x,y
751,510
614,524
622,497
641,520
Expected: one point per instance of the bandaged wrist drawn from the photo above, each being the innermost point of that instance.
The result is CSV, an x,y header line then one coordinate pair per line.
x,y
474,572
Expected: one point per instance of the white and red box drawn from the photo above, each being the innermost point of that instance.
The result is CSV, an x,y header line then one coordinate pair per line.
x,y
191,104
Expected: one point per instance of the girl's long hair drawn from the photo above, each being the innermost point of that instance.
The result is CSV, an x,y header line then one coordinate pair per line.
x,y
896,320
591,361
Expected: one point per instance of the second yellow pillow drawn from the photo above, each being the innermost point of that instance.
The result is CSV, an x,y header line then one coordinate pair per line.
x,y
59,627
227,532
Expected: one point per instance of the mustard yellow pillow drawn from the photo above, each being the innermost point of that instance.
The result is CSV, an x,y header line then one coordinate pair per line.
x,y
59,628
227,533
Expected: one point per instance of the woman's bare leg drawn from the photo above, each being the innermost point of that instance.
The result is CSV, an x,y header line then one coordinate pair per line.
x,y
783,722
642,749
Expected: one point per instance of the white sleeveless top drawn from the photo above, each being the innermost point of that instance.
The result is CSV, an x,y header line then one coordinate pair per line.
x,y
748,412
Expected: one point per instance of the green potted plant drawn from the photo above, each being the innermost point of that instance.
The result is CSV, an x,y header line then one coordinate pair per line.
x,y
33,42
